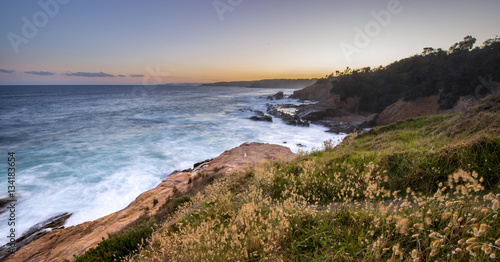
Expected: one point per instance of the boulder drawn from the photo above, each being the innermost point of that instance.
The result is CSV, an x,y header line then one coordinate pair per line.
x,y
247,155
289,118
262,118
277,96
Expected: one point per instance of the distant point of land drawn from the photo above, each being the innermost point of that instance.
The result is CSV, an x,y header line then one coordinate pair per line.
x,y
267,83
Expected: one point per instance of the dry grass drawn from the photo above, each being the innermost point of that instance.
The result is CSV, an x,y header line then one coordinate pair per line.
x,y
421,190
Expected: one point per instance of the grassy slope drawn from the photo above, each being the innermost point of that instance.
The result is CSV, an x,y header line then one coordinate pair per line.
x,y
422,189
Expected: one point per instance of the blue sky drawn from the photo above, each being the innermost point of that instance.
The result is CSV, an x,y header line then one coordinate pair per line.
x,y
154,41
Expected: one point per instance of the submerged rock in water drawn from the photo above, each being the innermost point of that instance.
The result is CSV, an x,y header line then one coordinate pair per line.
x,y
277,96
290,118
261,116
35,232
4,203
319,114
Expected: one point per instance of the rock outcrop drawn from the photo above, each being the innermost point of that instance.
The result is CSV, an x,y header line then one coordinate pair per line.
x,y
62,244
290,118
261,116
403,110
35,232
278,96
344,116
422,106
316,92
247,155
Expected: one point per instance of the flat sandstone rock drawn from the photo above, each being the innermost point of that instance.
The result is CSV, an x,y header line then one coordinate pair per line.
x,y
247,155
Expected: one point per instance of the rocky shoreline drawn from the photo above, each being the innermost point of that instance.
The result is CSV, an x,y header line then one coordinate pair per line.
x,y
50,241
35,232
307,113
320,107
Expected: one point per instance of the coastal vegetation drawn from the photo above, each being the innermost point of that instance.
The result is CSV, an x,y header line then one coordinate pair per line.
x,y
133,237
418,190
460,71
423,189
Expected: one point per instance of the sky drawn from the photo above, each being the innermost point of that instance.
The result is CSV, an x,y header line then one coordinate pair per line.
x,y
199,41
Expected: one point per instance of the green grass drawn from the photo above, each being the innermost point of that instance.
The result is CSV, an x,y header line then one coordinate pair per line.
x,y
120,245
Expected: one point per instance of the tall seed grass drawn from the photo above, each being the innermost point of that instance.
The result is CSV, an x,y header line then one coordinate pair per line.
x,y
422,190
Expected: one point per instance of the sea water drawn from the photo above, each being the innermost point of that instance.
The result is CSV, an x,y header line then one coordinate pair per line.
x,y
91,150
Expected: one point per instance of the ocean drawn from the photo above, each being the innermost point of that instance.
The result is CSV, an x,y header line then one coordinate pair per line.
x,y
91,150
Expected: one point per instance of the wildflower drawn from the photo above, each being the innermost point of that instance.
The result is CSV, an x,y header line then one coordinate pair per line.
x,y
493,256
433,252
486,248
434,235
435,244
470,240
476,232
489,196
414,254
395,249
497,242
495,205
482,229
446,215
401,224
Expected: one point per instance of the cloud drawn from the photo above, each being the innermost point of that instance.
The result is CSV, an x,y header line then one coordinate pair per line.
x,y
121,75
88,74
134,75
40,73
6,71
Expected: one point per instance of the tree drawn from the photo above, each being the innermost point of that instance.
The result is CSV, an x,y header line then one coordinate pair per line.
x,y
465,45
428,51
450,75
491,41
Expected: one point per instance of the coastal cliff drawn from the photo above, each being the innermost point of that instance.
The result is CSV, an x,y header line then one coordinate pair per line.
x,y
430,83
62,244
416,190
345,115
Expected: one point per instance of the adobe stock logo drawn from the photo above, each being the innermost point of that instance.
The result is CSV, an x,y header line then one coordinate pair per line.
x,y
40,19
486,86
372,29
224,6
